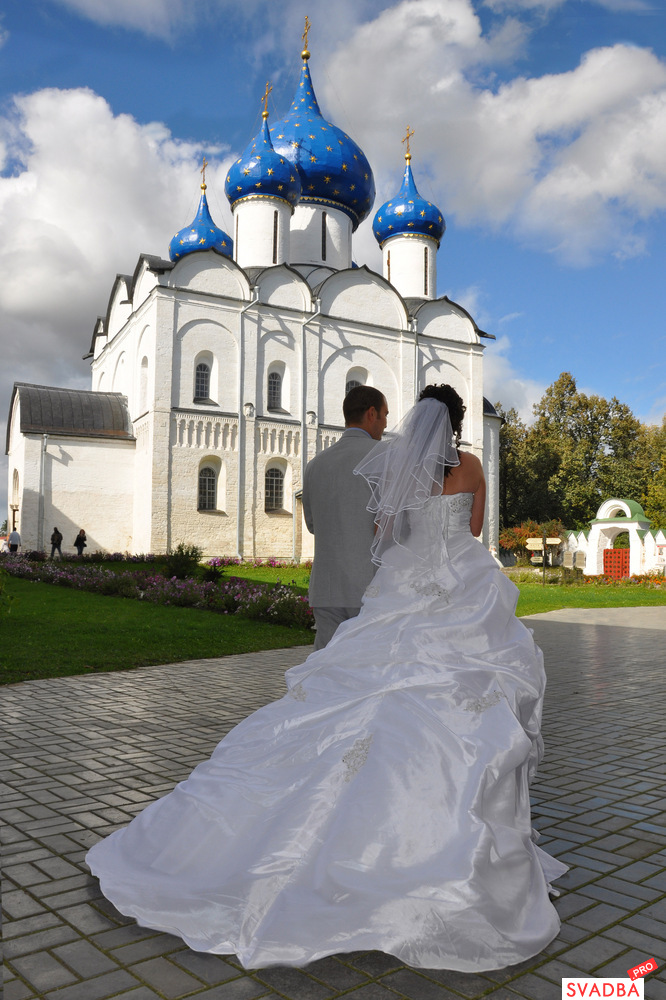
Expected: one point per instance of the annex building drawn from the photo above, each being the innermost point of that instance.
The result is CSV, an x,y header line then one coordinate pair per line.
x,y
216,374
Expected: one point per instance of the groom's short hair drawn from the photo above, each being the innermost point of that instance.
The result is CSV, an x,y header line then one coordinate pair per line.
x,y
359,400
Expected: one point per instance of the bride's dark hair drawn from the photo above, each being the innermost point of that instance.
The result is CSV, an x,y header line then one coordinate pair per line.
x,y
448,395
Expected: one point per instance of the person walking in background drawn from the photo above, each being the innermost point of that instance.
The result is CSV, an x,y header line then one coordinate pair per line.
x,y
56,542
80,542
14,541
335,508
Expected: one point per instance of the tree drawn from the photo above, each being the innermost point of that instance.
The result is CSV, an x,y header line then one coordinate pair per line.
x,y
579,451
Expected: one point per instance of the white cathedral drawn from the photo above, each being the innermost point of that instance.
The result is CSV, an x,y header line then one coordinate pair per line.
x,y
219,373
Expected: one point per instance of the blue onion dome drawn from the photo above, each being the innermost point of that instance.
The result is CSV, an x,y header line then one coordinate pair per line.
x,y
333,169
408,214
261,172
201,234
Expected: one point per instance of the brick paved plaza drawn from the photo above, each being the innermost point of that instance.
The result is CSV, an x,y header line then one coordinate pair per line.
x,y
81,755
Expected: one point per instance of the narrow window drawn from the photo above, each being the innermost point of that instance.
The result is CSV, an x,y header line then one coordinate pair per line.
x,y
323,235
202,382
236,240
388,264
274,391
351,384
274,489
275,235
425,270
143,386
207,490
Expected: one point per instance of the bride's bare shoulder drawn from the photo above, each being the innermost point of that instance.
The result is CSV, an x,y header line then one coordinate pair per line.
x,y
468,460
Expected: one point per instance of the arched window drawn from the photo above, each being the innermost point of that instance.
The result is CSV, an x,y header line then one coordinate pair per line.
x,y
207,489
351,385
202,381
355,376
274,391
274,489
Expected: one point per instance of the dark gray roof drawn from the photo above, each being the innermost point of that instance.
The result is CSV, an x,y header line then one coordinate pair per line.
x,y
488,409
74,412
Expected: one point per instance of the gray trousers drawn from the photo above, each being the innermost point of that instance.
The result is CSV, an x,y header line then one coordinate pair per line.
x,y
327,621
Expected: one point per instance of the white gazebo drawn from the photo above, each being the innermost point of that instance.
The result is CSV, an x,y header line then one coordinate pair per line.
x,y
647,547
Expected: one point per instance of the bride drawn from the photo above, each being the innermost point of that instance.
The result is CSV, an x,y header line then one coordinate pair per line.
x,y
383,803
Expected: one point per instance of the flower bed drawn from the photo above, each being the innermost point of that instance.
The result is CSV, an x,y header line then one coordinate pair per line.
x,y
273,603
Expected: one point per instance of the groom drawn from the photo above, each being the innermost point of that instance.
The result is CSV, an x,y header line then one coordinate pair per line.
x,y
334,505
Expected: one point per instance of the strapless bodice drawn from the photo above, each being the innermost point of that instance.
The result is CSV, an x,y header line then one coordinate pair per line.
x,y
441,517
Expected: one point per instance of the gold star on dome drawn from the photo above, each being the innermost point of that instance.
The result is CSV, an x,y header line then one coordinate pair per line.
x,y
280,137
366,176
410,223
398,211
336,191
246,171
410,202
311,187
238,187
390,227
281,160
340,143
327,180
224,243
344,166
181,242
330,149
312,137
439,219
379,218
270,171
237,161
280,186
258,184
430,226
323,128
202,240
355,156
313,159
422,212
352,187
294,144
228,178
292,178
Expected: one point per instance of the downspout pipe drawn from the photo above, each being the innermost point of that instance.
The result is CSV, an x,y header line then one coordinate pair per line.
x,y
40,513
304,449
241,426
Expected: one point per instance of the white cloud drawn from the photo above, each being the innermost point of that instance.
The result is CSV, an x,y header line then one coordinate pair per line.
x,y
502,383
153,17
573,163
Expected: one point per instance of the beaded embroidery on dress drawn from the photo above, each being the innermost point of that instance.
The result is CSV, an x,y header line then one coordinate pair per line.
x,y
382,804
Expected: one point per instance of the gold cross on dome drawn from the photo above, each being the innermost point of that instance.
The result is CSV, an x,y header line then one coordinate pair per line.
x,y
304,36
265,99
408,136
203,173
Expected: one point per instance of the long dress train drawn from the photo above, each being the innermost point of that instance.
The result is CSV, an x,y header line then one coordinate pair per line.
x,y
383,802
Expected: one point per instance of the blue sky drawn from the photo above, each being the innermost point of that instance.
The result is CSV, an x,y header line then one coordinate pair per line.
x,y
540,131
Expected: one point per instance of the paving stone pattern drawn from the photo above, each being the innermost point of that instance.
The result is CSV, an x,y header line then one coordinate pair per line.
x,y
81,756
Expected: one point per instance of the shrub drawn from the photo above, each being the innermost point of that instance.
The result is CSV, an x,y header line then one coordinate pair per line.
x,y
183,561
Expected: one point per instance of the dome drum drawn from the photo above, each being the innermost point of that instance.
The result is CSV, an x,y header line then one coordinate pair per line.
x,y
410,265
321,235
262,231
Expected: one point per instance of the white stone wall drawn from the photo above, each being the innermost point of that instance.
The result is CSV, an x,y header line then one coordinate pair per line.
x,y
491,430
254,232
410,264
306,237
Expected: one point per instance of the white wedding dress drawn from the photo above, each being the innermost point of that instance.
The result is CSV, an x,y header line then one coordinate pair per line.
x,y
383,802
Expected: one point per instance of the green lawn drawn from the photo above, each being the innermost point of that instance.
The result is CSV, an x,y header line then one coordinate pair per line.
x,y
535,598
55,632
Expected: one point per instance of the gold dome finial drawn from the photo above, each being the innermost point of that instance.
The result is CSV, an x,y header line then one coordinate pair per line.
x,y
264,113
203,173
305,54
408,136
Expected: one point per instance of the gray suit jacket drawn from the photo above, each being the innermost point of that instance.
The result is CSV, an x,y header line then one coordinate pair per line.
x,y
334,505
